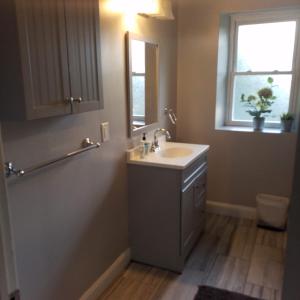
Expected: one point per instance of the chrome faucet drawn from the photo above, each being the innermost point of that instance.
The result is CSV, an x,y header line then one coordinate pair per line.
x,y
155,145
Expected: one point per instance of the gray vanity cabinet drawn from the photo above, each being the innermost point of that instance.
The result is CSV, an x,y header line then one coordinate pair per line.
x,y
50,55
166,212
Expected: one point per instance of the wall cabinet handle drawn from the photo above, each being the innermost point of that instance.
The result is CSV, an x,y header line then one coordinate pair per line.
x,y
69,100
78,100
72,100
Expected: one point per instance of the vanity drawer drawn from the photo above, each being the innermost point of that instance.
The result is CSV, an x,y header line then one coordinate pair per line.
x,y
199,167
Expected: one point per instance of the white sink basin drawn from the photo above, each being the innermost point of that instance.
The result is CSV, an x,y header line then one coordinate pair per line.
x,y
171,155
175,152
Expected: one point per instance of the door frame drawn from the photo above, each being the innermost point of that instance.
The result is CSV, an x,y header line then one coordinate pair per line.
x,y
8,277
291,288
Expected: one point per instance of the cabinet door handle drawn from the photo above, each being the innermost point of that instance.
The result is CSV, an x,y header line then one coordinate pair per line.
x,y
69,100
78,100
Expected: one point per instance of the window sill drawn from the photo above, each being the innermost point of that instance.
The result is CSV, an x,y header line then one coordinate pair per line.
x,y
250,130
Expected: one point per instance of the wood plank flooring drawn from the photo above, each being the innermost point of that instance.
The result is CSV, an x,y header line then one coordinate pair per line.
x,y
232,254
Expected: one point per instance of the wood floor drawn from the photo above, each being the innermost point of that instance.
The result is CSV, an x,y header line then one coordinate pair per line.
x,y
232,254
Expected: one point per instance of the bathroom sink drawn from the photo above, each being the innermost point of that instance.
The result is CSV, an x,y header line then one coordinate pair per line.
x,y
175,152
171,155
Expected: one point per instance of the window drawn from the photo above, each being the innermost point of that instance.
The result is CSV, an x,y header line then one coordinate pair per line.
x,y
262,46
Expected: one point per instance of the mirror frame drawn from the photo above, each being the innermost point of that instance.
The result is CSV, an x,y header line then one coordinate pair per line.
x,y
129,37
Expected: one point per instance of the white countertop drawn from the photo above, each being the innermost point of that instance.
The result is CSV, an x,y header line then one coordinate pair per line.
x,y
157,159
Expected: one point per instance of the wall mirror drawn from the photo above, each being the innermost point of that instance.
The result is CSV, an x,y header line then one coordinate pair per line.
x,y
142,83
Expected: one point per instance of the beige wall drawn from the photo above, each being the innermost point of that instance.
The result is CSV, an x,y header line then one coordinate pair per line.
x,y
70,220
240,164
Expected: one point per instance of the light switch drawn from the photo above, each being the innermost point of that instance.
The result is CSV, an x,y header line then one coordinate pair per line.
x,y
105,132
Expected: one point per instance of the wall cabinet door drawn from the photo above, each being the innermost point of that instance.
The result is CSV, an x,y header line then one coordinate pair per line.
x,y
83,41
51,55
44,57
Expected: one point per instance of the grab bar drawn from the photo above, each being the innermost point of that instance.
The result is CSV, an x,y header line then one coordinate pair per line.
x,y
86,145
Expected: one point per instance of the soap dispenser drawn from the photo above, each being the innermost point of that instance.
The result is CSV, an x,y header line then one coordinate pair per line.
x,y
146,144
142,146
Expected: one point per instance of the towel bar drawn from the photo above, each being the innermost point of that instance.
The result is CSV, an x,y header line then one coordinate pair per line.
x,y
10,169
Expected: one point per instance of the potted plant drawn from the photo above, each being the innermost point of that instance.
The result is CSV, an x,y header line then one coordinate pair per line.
x,y
287,120
260,104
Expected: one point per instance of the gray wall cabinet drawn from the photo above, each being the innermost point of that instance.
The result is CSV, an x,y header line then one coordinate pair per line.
x,y
50,52
166,213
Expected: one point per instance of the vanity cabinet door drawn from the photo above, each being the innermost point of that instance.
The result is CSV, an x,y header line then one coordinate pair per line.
x,y
193,210
200,202
83,39
44,57
188,222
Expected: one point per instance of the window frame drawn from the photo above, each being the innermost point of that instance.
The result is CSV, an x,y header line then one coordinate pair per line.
x,y
237,20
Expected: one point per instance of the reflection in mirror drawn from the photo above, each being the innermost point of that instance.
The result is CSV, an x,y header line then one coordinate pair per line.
x,y
138,82
142,57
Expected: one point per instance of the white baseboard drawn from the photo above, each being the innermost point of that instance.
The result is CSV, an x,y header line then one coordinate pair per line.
x,y
231,210
108,277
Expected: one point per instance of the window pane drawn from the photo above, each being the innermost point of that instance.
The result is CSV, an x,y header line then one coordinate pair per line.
x,y
138,56
266,47
138,95
250,84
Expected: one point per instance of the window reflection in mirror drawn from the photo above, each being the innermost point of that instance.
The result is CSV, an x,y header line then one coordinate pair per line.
x,y
138,54
142,83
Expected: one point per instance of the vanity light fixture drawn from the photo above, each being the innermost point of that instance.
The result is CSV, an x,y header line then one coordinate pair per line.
x,y
160,9
163,10
131,7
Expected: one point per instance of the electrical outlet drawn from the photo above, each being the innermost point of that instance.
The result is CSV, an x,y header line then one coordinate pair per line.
x,y
105,135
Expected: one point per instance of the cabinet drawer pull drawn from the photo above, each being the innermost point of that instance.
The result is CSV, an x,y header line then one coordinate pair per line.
x,y
198,170
194,179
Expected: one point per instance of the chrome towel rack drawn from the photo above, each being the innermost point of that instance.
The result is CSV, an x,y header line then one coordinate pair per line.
x,y
11,170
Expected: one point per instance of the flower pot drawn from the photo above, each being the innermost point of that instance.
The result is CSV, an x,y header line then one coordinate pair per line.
x,y
258,123
286,125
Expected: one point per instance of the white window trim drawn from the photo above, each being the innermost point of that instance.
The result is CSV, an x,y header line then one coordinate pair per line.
x,y
254,18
